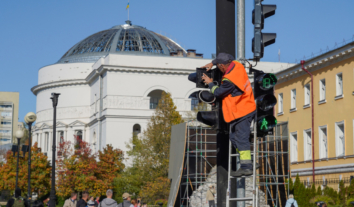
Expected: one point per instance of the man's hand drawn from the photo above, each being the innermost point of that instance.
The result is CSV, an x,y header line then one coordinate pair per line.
x,y
208,66
206,79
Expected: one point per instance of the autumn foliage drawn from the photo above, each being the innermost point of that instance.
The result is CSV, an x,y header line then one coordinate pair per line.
x,y
151,153
40,172
80,170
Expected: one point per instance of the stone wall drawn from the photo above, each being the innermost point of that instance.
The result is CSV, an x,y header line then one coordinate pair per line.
x,y
198,198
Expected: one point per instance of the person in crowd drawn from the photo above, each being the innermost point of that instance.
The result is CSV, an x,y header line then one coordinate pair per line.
x,y
17,200
145,205
91,202
37,203
83,201
291,202
108,202
238,104
97,201
210,197
126,201
71,202
46,201
134,203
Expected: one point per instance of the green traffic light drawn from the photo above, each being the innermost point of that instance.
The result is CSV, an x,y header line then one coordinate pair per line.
x,y
266,123
268,81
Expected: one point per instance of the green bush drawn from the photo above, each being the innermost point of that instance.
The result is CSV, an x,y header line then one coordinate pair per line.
x,y
323,198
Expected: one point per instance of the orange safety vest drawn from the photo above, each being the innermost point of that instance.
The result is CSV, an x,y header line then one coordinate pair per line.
x,y
234,107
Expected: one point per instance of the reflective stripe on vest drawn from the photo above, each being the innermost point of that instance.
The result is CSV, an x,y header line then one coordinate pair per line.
x,y
238,106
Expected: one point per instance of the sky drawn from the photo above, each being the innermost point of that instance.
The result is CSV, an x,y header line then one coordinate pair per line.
x,y
37,33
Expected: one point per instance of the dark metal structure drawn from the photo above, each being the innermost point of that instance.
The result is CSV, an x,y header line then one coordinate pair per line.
x,y
126,38
225,42
54,98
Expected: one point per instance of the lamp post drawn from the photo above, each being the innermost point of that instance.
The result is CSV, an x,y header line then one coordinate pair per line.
x,y
19,135
54,98
29,119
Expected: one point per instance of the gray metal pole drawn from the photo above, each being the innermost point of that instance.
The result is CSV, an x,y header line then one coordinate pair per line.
x,y
240,29
241,182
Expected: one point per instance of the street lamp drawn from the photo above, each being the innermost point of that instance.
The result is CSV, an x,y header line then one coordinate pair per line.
x,y
54,98
29,119
19,135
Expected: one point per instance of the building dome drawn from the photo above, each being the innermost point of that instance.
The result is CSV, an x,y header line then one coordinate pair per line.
x,y
127,39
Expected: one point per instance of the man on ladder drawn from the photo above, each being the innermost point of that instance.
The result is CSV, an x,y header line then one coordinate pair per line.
x,y
238,106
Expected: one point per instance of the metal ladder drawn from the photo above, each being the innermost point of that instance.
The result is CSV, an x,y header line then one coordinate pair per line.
x,y
241,200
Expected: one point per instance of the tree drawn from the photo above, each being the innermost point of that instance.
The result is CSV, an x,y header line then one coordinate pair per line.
x,y
110,164
350,191
319,191
150,150
40,172
158,189
342,194
80,171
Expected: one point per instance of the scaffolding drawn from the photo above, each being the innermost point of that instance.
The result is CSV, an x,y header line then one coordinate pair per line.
x,y
273,174
200,157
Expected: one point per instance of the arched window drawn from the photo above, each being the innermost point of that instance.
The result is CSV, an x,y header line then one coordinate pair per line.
x,y
197,104
136,129
155,97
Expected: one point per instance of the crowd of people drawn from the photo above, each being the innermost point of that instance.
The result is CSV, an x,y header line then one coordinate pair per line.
x,y
85,201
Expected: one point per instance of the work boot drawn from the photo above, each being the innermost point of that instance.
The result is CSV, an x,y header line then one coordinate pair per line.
x,y
242,172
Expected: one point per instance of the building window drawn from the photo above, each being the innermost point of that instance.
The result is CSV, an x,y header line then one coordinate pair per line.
x,y
340,139
307,145
322,89
194,104
61,137
6,106
307,94
323,142
136,129
46,142
339,84
78,139
6,114
6,123
155,97
293,99
293,147
280,101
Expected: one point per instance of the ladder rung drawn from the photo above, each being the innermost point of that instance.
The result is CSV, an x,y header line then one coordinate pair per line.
x,y
236,155
240,199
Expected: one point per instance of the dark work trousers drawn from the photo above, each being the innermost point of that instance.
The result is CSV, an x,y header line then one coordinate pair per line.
x,y
240,130
212,203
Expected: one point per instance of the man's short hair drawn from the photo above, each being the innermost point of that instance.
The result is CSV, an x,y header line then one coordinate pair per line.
x,y
291,196
85,193
109,192
73,194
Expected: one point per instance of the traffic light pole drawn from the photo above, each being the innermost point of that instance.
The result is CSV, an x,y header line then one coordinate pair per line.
x,y
225,42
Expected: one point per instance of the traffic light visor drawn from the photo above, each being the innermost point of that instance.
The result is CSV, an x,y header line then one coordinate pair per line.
x,y
266,102
267,81
207,117
266,123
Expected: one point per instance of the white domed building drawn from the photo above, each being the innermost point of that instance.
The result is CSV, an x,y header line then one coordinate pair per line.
x,y
110,84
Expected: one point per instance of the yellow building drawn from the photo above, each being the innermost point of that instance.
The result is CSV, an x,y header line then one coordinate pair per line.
x,y
9,102
333,85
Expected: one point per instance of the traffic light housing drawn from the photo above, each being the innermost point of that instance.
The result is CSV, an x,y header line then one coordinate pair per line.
x,y
213,118
264,96
260,39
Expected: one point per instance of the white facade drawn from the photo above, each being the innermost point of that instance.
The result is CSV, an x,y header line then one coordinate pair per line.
x,y
102,101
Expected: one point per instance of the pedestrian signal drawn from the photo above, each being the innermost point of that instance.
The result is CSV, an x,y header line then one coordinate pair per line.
x,y
264,96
